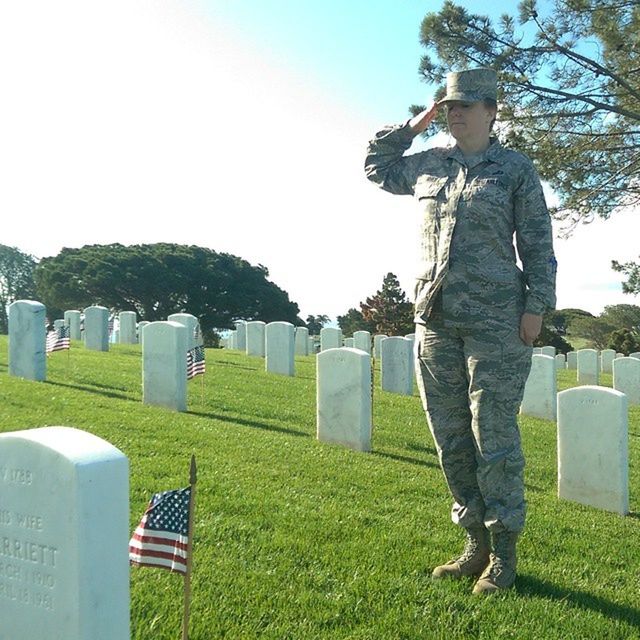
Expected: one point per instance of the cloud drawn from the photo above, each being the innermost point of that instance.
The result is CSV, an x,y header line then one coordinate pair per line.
x,y
585,277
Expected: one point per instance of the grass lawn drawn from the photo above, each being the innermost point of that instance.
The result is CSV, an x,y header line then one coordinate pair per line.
x,y
300,540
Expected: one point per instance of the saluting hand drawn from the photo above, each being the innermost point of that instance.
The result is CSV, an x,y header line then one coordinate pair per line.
x,y
419,123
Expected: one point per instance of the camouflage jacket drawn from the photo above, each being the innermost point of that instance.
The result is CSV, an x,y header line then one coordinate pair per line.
x,y
471,208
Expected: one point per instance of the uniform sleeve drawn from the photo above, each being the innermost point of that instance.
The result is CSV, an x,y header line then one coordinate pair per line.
x,y
534,240
385,163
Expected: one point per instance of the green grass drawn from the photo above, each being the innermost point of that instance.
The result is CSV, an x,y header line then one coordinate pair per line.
x,y
298,539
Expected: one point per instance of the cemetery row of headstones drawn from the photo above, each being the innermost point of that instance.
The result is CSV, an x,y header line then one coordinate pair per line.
x,y
278,342
260,339
541,387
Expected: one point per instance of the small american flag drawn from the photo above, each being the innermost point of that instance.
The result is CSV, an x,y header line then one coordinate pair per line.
x,y
57,339
195,362
161,539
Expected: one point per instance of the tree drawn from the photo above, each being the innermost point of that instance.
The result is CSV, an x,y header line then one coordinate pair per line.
x,y
624,341
560,319
623,316
595,330
16,280
569,91
632,271
315,324
389,310
157,280
354,321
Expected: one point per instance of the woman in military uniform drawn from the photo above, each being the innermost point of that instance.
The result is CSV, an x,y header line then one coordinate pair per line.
x,y
476,312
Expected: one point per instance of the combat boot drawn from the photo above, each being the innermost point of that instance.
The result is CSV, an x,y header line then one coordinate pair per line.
x,y
501,572
474,558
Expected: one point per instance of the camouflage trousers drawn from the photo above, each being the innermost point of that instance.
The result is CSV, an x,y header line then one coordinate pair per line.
x,y
471,382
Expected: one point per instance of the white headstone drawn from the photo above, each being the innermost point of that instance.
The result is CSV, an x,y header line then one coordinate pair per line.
x,y
233,339
588,367
241,335
593,465
362,341
537,351
191,324
626,378
64,531
349,343
96,328
72,320
606,360
140,326
572,360
396,365
377,339
561,361
635,355
312,345
58,324
619,355
280,348
548,351
164,365
27,336
128,334
539,398
255,338
330,338
302,341
344,398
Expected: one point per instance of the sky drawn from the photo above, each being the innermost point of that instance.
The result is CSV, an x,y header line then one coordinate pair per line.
x,y
237,126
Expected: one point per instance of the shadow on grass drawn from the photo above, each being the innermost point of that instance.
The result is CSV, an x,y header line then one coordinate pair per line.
x,y
249,423
530,586
422,448
107,394
399,458
106,386
222,363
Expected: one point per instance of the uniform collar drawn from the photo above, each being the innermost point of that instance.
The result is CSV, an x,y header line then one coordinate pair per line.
x,y
494,153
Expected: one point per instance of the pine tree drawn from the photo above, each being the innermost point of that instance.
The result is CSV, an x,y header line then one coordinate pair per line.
x,y
389,310
569,91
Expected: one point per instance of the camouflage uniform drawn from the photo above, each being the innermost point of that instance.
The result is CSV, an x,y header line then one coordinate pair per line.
x,y
469,298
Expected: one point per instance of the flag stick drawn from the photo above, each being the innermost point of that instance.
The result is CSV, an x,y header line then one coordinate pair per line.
x,y
373,371
202,390
187,575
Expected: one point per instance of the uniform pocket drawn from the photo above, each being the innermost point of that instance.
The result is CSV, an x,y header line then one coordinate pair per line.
x,y
429,187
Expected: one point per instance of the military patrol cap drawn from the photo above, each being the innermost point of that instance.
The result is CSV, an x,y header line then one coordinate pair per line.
x,y
471,85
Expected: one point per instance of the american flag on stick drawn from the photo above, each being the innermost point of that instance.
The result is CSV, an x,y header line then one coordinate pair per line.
x,y
195,362
58,339
162,537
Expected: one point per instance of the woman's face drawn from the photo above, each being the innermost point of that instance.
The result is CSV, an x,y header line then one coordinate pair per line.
x,y
469,120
